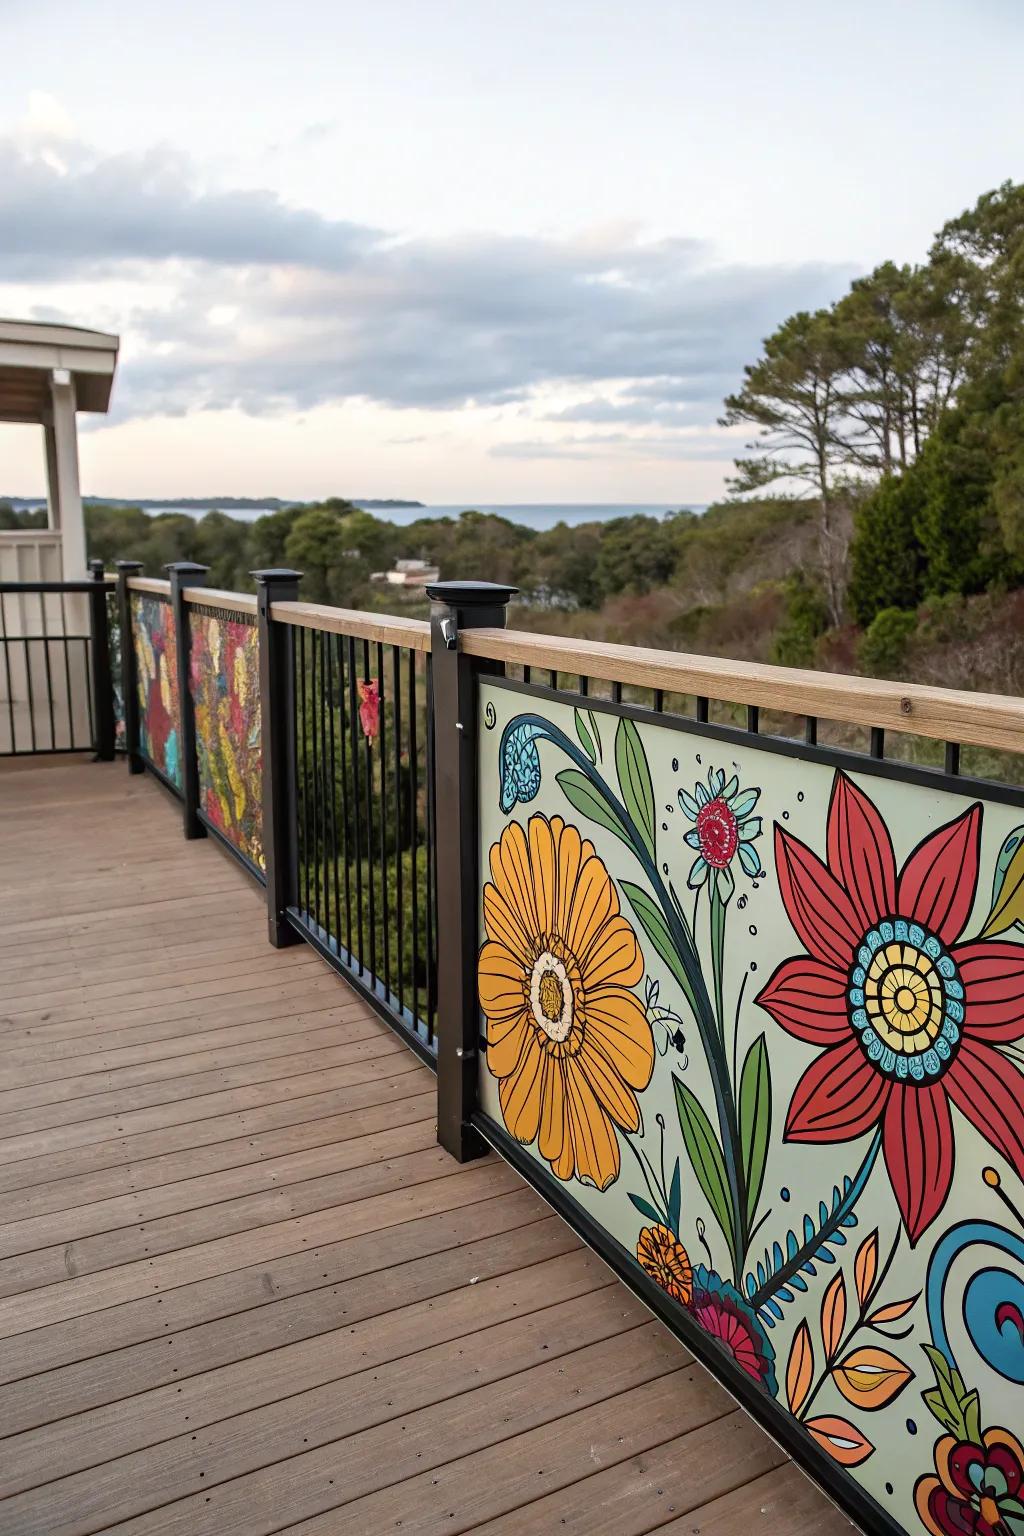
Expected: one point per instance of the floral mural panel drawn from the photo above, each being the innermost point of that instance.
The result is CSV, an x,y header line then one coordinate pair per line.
x,y
762,1019
153,633
224,665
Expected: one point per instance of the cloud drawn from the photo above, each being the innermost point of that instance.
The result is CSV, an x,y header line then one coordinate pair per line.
x,y
250,303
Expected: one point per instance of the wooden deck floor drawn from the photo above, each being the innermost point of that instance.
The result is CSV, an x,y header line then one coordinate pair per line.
x,y
241,1288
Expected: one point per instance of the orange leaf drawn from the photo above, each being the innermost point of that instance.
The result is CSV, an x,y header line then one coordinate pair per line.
x,y
840,1439
866,1265
833,1315
893,1311
800,1370
871,1377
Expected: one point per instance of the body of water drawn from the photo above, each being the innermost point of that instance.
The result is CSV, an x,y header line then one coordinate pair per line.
x,y
537,515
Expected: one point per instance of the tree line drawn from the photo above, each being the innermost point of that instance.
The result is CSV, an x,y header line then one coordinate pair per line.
x,y
899,411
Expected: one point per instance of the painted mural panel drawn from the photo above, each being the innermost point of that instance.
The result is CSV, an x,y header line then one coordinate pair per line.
x,y
154,636
762,1019
226,698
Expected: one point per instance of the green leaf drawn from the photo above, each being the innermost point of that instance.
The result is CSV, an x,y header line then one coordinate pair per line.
x,y
675,1200
596,731
755,1115
635,780
646,1209
705,1156
583,797
654,925
586,740
1007,887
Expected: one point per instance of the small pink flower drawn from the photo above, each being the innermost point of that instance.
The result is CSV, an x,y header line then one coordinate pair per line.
x,y
369,708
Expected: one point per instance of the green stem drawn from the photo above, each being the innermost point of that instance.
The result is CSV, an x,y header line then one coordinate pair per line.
x,y
704,1016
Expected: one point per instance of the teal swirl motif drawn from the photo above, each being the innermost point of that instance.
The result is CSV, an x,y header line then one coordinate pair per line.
x,y
520,760
993,1300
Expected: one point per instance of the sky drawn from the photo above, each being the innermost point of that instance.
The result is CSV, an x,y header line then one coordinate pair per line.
x,y
467,251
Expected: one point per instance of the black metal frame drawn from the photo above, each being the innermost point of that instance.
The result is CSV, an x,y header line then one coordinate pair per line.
x,y
851,1498
784,746
99,696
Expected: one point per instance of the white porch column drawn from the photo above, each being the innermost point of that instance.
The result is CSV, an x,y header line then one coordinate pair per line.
x,y
53,518
69,496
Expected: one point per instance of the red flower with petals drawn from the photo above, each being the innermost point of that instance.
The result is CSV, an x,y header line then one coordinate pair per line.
x,y
908,1018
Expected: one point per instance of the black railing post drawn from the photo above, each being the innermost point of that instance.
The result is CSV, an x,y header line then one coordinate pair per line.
x,y
185,573
102,678
277,732
126,569
458,606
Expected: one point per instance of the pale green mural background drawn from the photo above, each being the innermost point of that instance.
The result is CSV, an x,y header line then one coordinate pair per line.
x,y
928,1462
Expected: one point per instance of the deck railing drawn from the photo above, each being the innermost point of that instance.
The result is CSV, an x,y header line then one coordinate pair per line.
x,y
743,1002
57,686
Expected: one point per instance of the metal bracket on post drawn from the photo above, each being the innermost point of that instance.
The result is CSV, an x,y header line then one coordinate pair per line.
x,y
277,737
457,606
184,573
102,678
126,569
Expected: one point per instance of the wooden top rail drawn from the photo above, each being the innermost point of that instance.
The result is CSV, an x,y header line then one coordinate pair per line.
x,y
151,584
945,714
414,634
218,597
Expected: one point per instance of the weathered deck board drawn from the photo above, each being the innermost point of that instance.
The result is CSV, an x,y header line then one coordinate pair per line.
x,y
241,1288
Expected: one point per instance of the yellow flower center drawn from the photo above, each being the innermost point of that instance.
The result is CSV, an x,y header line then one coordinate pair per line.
x,y
903,998
551,997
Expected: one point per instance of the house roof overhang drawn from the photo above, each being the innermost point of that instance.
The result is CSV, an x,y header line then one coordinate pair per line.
x,y
31,351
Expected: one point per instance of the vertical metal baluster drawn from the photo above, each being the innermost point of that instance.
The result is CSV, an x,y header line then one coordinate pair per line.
x,y
303,776
414,813
702,710
952,763
659,701
385,900
430,933
877,741
336,928
396,703
67,668
584,687
315,722
527,672
811,730
353,725
753,719
371,877
330,865
46,666
553,677
616,693
87,664
5,642
342,789
31,699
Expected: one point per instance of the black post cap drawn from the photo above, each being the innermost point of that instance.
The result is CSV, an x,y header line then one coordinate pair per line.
x,y
185,568
128,565
276,573
471,594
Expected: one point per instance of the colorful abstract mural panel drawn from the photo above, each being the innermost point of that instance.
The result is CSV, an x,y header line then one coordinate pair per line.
x,y
153,634
762,1019
224,666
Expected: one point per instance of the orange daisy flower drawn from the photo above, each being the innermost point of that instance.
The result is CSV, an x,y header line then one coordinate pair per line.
x,y
567,1040
662,1255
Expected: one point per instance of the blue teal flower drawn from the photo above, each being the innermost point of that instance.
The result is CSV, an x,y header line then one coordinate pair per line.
x,y
724,828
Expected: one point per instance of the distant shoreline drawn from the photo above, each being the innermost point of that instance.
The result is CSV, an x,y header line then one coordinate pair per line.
x,y
539,516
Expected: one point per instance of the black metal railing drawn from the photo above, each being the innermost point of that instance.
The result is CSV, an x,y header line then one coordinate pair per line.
x,y
362,862
57,690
